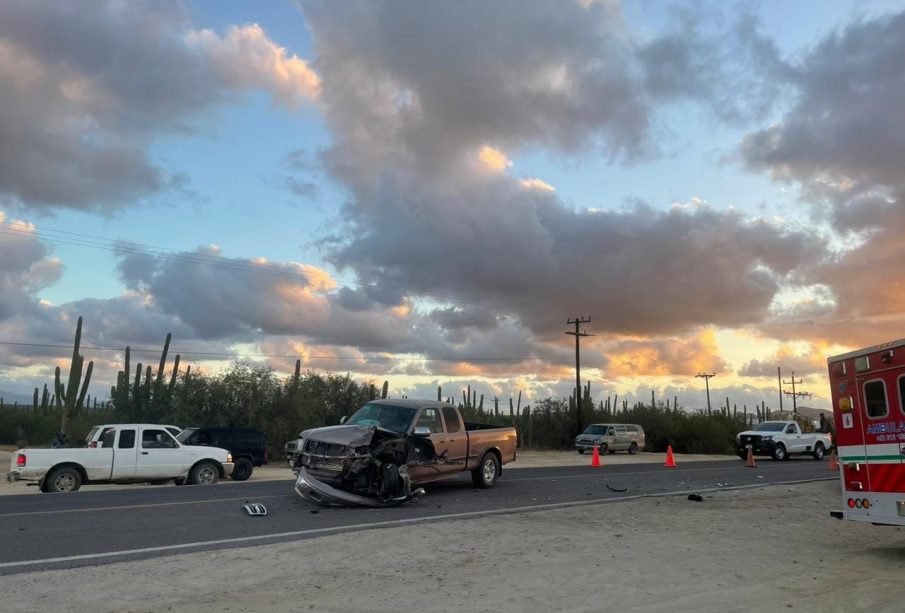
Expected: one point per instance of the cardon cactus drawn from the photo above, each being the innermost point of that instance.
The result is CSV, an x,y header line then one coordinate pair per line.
x,y
72,397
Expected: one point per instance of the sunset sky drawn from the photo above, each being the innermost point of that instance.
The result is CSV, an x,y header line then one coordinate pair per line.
x,y
424,192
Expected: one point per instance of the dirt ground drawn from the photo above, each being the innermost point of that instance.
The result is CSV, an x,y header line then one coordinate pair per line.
x,y
765,549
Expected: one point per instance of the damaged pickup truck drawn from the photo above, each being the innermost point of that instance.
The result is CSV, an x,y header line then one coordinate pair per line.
x,y
388,448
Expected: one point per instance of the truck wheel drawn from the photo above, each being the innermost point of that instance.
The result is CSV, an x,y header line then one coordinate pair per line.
x,y
819,451
581,452
485,475
633,448
242,470
204,474
63,479
779,453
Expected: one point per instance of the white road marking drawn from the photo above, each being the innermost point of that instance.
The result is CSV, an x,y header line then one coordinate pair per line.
x,y
384,524
136,506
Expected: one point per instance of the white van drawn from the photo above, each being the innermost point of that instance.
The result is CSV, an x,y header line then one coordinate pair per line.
x,y
611,438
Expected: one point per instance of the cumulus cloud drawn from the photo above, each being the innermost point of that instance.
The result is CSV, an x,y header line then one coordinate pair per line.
x,y
664,357
415,135
83,98
27,267
843,142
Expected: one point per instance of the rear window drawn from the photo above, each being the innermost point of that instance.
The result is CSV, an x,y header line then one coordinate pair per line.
x,y
126,439
875,399
451,417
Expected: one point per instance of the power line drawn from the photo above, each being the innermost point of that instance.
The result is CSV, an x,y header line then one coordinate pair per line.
x,y
266,268
76,239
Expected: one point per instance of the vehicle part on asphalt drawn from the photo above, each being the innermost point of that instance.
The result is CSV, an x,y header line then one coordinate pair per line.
x,y
326,495
616,489
255,509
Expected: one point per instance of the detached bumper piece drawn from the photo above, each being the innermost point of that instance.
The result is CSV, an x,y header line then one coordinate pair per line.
x,y
255,509
320,493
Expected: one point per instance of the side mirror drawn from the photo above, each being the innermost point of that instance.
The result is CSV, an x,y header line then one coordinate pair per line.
x,y
421,432
343,419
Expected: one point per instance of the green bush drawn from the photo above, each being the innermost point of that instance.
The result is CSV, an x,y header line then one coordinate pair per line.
x,y
257,397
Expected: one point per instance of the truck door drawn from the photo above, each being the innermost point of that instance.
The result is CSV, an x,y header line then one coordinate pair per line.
x,y
429,417
456,439
160,456
124,455
793,438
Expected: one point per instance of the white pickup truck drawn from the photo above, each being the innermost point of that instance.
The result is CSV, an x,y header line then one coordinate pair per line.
x,y
780,439
126,453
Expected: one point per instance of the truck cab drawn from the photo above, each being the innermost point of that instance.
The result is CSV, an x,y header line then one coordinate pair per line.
x,y
781,439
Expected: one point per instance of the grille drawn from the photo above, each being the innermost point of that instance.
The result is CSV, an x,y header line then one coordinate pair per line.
x,y
750,439
323,456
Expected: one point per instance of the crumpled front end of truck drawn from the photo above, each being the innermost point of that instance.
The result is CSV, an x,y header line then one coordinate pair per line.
x,y
361,466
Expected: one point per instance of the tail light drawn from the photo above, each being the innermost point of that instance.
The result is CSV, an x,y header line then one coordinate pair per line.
x,y
20,460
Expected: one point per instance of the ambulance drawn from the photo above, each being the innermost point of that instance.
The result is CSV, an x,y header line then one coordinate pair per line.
x,y
868,391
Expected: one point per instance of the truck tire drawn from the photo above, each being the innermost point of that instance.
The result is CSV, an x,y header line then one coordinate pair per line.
x,y
819,451
204,473
64,479
632,449
581,452
779,453
242,470
487,472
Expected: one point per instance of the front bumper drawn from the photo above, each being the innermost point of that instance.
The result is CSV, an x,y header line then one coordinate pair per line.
x,y
585,445
227,468
758,448
325,495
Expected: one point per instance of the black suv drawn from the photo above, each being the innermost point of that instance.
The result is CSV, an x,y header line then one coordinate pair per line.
x,y
247,446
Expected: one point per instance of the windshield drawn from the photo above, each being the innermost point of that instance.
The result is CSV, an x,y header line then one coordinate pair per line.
x,y
599,430
769,426
397,419
185,434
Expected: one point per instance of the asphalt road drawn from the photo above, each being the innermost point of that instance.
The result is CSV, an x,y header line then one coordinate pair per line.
x,y
88,528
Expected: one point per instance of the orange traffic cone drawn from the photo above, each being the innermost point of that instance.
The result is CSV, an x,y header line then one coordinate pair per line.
x,y
670,460
833,463
751,463
595,459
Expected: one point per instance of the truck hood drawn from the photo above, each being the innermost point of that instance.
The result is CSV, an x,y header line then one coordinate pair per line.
x,y
349,436
207,449
760,433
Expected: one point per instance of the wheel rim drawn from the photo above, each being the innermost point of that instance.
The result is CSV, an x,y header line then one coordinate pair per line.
x,y
489,470
64,483
206,475
780,453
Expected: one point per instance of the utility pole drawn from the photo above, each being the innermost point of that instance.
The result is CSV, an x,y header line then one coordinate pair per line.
x,y
578,334
779,381
794,394
706,377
